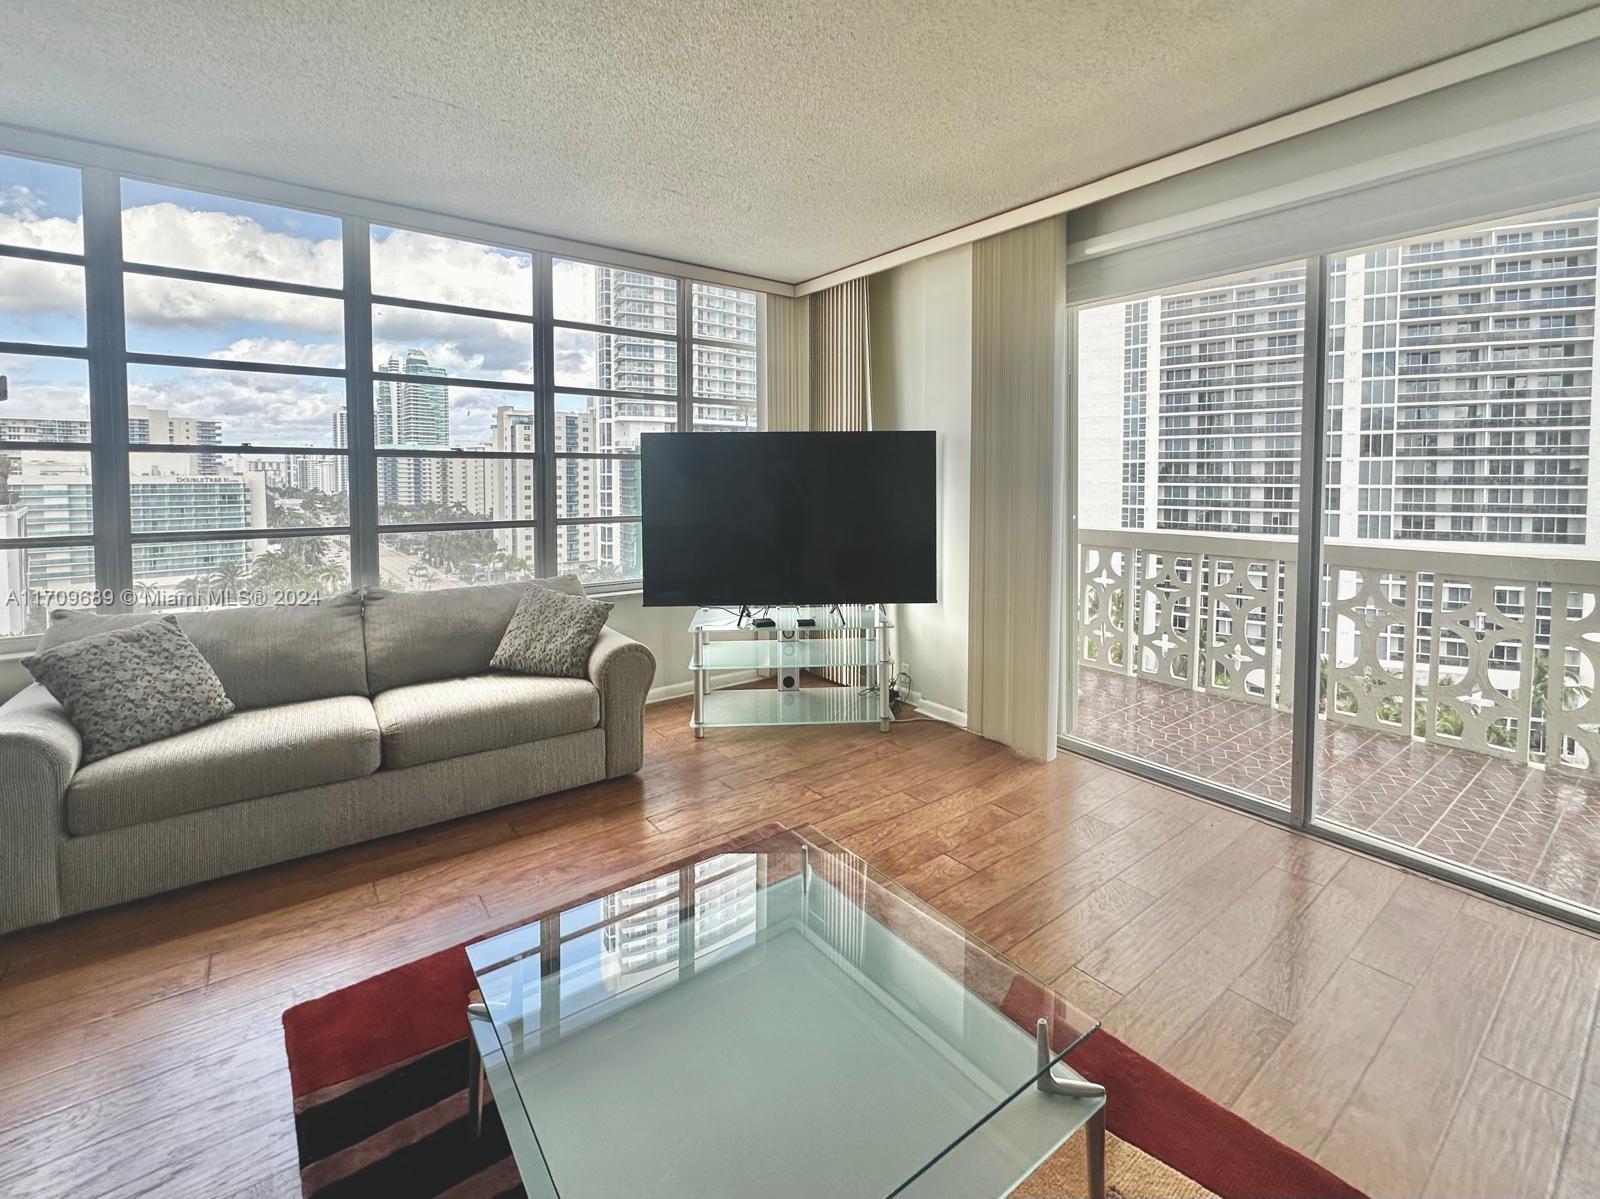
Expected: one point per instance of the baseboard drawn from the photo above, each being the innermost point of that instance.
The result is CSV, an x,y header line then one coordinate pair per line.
x,y
679,690
938,711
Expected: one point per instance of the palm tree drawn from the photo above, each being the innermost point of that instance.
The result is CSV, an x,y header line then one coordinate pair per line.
x,y
227,577
309,550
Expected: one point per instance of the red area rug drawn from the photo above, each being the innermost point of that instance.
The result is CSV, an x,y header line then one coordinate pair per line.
x,y
379,1077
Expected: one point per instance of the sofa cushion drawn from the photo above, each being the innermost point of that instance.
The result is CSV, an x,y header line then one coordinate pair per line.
x,y
245,756
417,637
72,624
551,634
427,722
284,653
131,686
281,654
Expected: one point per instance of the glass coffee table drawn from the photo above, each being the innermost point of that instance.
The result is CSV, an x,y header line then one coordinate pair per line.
x,y
781,1021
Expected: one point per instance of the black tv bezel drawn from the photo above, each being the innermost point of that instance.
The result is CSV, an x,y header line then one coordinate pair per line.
x,y
652,598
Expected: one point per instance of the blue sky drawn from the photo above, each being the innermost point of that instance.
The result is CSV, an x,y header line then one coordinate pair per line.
x,y
55,190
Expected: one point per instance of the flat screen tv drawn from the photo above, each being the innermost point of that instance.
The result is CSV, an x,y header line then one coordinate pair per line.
x,y
789,518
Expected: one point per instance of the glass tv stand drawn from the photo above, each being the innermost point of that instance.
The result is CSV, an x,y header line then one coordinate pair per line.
x,y
849,642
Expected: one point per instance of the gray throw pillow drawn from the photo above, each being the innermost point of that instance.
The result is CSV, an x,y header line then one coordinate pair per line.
x,y
131,686
551,634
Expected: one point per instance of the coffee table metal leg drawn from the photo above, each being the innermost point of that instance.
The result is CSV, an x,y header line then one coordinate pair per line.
x,y
1052,1083
1095,1147
475,1072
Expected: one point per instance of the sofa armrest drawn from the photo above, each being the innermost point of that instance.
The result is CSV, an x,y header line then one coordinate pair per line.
x,y
622,669
39,754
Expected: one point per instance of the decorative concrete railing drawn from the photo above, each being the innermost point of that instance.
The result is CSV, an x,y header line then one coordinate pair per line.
x,y
1497,653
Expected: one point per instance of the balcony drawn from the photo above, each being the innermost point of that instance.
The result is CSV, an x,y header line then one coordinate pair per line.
x,y
1499,366
1501,250
1475,279
1458,712
1529,336
1417,311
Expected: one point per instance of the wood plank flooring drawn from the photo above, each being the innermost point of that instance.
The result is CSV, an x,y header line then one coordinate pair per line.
x,y
1415,1038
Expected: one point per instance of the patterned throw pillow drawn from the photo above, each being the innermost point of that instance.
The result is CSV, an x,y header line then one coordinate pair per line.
x,y
551,633
131,686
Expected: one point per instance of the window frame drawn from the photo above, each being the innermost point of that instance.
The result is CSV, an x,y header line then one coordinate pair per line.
x,y
108,358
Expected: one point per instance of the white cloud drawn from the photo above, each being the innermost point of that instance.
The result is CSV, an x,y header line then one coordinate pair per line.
x,y
158,303
46,289
419,266
225,243
23,223
254,407
284,351
462,345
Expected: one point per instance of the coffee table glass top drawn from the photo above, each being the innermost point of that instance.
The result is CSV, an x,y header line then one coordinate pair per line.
x,y
780,1021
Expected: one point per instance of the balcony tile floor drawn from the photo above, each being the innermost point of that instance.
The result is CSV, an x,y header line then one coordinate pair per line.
x,y
1519,823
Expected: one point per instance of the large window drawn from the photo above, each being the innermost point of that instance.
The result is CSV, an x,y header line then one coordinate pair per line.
x,y
46,493
209,400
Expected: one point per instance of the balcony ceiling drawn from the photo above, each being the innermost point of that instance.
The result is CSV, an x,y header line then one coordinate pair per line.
x,y
784,140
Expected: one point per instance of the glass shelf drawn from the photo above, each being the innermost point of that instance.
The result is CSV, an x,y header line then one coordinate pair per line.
x,y
850,616
768,653
808,705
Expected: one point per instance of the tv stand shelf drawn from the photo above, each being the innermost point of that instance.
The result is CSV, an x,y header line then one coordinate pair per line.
x,y
852,636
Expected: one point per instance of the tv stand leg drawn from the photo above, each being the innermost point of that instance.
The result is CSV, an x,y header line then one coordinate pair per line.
x,y
699,687
885,713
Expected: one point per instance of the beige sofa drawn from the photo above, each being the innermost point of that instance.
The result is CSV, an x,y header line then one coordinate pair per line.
x,y
367,714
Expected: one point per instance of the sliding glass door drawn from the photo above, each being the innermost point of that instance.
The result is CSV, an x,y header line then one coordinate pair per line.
x,y
1187,484
1455,548
1463,564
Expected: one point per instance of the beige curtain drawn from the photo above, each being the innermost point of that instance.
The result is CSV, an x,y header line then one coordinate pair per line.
x,y
841,361
786,363
1018,404
841,384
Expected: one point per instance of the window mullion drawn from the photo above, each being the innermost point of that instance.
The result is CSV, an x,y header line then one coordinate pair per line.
x,y
544,401
685,356
1307,615
359,433
108,381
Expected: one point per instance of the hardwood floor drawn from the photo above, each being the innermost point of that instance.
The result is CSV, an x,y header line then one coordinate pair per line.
x,y
1415,1038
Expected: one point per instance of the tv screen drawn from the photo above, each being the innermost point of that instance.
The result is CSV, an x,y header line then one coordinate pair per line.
x,y
789,518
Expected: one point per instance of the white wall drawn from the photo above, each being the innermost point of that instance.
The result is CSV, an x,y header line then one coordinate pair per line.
x,y
666,632
921,324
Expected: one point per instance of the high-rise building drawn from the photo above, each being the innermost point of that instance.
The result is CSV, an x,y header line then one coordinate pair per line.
x,y
410,415
341,440
576,486
643,365
54,498
1461,392
725,386
1468,378
146,426
515,497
